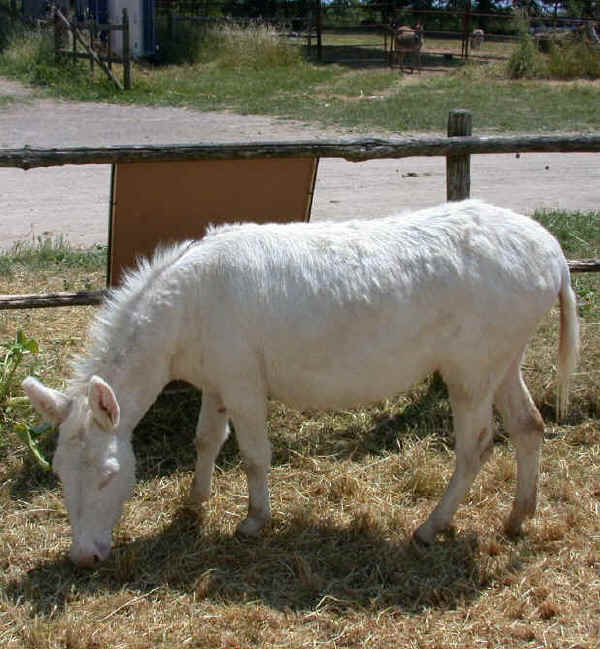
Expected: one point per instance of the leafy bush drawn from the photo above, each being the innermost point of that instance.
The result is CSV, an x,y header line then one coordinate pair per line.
x,y
29,56
525,62
186,45
565,56
14,355
8,27
574,60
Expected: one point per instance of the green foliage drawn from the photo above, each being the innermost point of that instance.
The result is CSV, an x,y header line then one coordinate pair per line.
x,y
253,46
29,57
9,27
525,62
13,357
574,60
186,45
33,437
565,56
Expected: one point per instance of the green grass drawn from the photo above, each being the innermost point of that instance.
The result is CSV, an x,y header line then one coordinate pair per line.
x,y
47,253
578,232
286,85
579,236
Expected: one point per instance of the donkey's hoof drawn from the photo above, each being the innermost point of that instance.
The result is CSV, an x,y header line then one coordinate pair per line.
x,y
251,527
423,535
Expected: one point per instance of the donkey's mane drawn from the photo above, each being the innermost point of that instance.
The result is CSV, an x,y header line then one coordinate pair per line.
x,y
120,312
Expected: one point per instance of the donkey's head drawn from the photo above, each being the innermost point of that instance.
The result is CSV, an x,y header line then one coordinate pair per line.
x,y
94,461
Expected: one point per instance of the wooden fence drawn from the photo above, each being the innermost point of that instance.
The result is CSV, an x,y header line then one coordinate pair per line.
x,y
92,45
456,148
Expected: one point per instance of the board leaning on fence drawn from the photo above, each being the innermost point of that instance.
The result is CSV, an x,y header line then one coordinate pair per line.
x,y
315,315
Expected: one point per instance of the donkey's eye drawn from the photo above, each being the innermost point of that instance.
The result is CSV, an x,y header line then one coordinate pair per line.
x,y
108,471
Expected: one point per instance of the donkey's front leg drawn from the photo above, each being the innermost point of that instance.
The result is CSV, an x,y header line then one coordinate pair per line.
x,y
212,430
251,432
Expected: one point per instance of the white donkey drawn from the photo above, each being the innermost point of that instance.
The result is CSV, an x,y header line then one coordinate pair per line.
x,y
477,36
316,315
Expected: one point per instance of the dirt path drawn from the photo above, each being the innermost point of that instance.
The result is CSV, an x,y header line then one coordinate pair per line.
x,y
73,200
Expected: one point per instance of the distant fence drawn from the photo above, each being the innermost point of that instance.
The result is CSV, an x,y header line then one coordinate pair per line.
x,y
456,148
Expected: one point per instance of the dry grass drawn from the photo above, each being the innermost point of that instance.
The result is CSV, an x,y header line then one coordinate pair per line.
x,y
336,568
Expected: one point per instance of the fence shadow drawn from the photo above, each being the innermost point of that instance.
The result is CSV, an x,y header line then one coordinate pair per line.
x,y
358,57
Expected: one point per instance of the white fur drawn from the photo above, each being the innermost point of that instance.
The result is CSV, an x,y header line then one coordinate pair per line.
x,y
315,315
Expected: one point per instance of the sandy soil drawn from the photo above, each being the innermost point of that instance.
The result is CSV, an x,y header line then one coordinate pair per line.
x,y
74,200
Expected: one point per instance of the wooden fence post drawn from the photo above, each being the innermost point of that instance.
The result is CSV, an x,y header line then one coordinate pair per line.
x,y
319,25
57,37
458,167
126,53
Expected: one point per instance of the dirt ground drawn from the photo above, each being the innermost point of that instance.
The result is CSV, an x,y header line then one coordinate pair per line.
x,y
74,200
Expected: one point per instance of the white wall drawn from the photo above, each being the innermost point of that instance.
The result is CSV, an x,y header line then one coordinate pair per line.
x,y
136,26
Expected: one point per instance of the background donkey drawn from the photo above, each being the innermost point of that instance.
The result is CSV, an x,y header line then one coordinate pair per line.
x,y
406,45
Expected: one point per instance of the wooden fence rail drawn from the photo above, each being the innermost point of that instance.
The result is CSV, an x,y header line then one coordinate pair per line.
x,y
456,148
354,150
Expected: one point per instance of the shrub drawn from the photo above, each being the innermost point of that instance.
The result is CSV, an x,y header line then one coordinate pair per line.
x,y
29,56
8,27
186,45
574,60
526,62
255,45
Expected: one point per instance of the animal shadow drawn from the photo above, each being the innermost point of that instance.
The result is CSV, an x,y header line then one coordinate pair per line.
x,y
302,567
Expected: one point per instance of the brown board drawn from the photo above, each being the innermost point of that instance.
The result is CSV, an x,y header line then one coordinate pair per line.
x,y
162,202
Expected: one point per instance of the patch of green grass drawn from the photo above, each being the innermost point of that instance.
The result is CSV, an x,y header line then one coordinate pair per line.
x,y
29,57
579,236
48,252
7,100
577,232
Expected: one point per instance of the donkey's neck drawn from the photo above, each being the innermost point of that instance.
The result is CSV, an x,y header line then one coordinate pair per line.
x,y
132,351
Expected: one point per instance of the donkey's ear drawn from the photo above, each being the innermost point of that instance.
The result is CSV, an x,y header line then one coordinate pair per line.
x,y
103,402
53,405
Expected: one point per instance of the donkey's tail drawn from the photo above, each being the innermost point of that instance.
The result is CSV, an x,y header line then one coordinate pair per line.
x,y
568,347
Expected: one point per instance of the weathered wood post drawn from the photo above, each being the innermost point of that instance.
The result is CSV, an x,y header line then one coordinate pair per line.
x,y
126,52
57,37
93,41
458,167
319,25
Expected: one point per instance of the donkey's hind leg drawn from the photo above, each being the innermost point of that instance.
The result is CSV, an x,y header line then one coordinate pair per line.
x,y
525,425
472,414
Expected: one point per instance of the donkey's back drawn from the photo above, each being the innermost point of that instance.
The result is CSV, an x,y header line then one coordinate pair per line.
x,y
334,314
